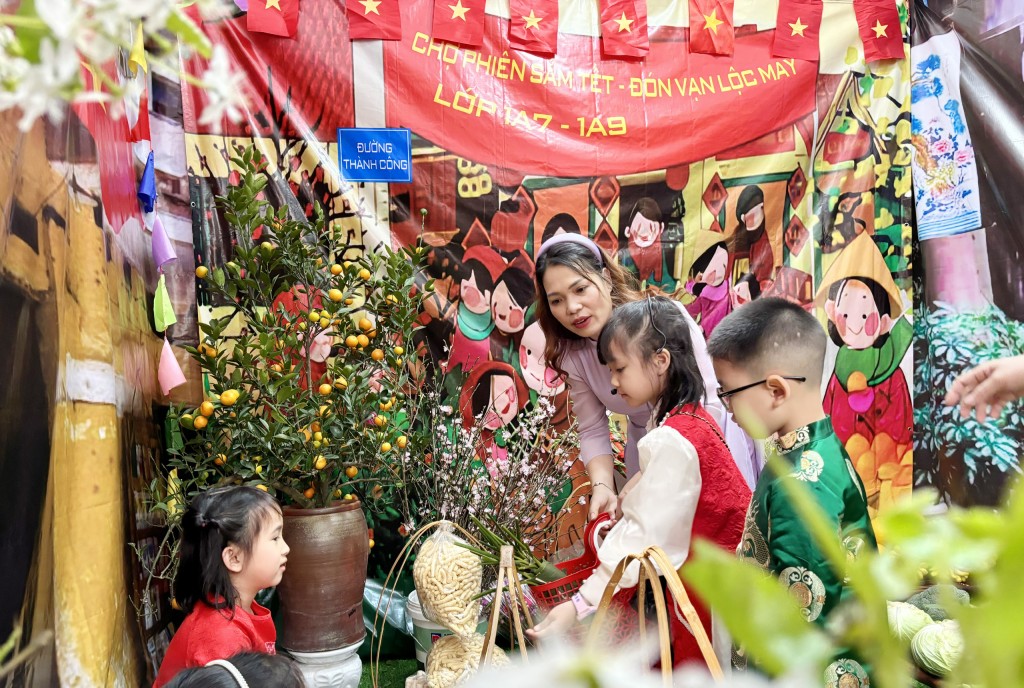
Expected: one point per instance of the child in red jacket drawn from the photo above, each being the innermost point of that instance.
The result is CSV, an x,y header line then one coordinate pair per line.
x,y
231,549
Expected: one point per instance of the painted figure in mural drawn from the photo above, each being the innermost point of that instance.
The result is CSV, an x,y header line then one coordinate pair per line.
x,y
542,379
746,289
643,237
493,395
710,283
512,296
769,356
867,395
578,286
751,238
481,266
562,223
295,304
688,487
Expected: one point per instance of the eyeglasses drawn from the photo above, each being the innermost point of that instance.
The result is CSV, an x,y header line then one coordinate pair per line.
x,y
726,396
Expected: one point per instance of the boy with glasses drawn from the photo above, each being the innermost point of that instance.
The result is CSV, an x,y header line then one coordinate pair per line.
x,y
769,357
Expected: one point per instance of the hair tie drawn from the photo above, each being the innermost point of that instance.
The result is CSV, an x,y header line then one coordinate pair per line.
x,y
205,522
232,669
572,238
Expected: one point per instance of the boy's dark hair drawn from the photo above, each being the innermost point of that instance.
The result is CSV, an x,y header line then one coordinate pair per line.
x,y
768,335
257,668
650,325
215,519
562,221
878,293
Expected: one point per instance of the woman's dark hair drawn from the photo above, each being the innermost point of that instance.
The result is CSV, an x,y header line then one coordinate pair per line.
x,y
878,293
702,263
650,325
257,668
562,221
215,519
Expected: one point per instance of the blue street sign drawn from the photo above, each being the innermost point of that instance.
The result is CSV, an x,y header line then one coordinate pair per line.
x,y
375,155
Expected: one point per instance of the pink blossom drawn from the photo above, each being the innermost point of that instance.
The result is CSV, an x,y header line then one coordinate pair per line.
x,y
942,146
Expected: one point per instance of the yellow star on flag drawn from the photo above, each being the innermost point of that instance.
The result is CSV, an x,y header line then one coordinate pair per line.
x,y
458,11
879,28
276,4
624,24
370,6
798,28
712,22
533,21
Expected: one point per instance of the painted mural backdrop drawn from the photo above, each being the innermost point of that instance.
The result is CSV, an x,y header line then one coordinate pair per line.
x,y
718,179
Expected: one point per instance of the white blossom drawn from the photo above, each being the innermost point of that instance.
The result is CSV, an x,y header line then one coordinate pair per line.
x,y
223,85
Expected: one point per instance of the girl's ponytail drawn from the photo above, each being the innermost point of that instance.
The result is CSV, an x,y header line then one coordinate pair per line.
x,y
215,519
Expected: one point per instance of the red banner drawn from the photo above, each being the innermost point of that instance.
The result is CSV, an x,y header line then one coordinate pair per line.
x,y
577,114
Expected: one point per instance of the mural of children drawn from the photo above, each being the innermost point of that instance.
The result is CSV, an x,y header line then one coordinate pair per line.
x,y
495,394
867,395
473,324
514,292
710,283
745,290
751,236
643,244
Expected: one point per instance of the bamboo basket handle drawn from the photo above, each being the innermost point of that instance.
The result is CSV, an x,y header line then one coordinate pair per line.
x,y
682,599
647,570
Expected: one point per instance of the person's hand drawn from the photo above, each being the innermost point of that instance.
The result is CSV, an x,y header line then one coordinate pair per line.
x,y
603,500
984,390
557,622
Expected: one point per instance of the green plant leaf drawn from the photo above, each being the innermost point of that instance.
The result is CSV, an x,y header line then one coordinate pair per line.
x,y
749,602
189,33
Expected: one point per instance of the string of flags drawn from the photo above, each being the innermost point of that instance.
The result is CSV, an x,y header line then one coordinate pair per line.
x,y
169,373
533,25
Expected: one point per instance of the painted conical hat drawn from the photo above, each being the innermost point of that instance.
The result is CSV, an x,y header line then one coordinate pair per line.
x,y
861,258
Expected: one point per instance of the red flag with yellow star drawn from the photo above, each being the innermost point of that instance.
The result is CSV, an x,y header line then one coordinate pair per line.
x,y
459,21
711,27
277,17
534,26
372,19
797,26
624,28
878,22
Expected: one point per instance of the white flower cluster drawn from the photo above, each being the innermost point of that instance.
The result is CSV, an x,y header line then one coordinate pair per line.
x,y
42,52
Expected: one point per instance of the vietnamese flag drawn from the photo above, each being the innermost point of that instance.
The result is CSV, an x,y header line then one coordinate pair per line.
x,y
878,22
277,17
534,26
797,26
624,28
459,21
711,27
373,19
